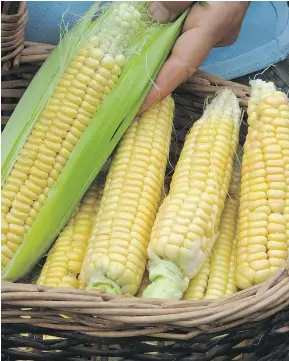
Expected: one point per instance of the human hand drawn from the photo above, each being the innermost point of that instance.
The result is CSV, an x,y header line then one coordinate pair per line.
x,y
214,24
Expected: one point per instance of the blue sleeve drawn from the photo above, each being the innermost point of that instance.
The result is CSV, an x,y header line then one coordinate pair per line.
x,y
263,40
52,14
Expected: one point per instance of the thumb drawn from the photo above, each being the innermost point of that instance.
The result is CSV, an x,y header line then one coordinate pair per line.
x,y
164,11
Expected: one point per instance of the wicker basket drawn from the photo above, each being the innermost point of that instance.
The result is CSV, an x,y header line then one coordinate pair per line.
x,y
252,325
15,79
14,16
20,60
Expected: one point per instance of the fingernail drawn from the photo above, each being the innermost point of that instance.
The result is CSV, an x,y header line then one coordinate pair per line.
x,y
158,11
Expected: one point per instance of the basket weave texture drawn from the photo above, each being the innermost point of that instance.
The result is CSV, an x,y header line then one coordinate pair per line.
x,y
252,325
14,16
20,60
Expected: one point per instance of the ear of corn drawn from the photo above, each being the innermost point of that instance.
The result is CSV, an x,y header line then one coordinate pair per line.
x,y
64,260
186,225
116,255
216,279
56,145
263,229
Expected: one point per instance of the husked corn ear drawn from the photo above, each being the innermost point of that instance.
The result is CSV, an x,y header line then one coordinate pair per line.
x,y
198,284
186,225
117,249
93,72
64,260
263,230
144,283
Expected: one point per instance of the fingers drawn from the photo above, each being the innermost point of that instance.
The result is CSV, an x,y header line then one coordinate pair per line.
x,y
217,24
164,11
189,51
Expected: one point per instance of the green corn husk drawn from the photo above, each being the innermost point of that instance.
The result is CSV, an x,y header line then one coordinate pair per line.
x,y
97,142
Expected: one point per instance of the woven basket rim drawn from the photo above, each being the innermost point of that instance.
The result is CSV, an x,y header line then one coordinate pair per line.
x,y
120,316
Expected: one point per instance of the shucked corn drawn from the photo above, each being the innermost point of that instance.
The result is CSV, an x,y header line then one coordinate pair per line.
x,y
263,230
117,249
187,223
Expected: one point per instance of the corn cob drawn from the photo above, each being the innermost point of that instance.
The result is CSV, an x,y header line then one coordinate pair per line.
x,y
117,249
186,226
64,260
263,230
40,160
